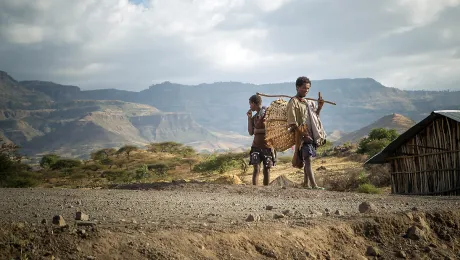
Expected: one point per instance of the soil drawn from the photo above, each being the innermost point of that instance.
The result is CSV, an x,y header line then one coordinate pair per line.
x,y
210,221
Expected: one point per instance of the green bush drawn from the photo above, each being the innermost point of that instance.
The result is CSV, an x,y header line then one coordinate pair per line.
x,y
127,149
65,164
160,169
92,167
22,180
172,148
222,163
118,175
13,173
325,149
142,172
284,159
377,139
368,188
49,160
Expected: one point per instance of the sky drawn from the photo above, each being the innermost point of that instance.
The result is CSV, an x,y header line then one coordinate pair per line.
x,y
407,44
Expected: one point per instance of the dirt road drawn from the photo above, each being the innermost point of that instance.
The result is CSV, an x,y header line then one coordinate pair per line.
x,y
209,221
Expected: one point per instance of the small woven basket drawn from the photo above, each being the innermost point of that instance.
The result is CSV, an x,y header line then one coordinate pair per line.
x,y
276,126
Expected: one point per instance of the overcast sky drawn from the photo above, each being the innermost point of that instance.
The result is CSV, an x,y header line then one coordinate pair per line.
x,y
408,44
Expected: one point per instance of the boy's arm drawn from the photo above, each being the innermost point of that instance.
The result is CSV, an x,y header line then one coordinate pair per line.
x,y
291,118
250,123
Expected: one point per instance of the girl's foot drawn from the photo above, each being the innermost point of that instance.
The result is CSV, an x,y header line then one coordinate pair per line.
x,y
318,188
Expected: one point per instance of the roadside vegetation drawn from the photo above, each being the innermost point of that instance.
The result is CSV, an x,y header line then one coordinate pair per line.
x,y
338,168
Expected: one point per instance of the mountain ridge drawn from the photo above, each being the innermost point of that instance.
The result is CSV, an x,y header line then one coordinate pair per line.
x,y
394,121
219,106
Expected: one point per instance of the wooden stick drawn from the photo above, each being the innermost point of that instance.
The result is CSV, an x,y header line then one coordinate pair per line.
x,y
265,95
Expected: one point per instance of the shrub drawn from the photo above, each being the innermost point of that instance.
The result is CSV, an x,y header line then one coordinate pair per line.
x,y
66,163
222,163
13,173
160,169
103,154
284,159
377,139
117,175
368,188
22,180
49,160
379,175
92,167
325,149
127,149
142,172
172,148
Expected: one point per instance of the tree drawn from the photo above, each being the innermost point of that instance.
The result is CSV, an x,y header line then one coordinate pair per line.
x,y
159,168
127,149
191,161
171,147
12,172
103,154
48,160
223,162
66,164
10,151
377,139
142,172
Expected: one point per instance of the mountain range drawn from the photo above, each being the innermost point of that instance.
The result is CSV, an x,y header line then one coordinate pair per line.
x,y
395,121
45,116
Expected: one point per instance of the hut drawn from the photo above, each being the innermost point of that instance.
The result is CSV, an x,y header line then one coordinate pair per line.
x,y
425,160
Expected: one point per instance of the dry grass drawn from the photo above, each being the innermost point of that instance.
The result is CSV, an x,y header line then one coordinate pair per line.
x,y
338,172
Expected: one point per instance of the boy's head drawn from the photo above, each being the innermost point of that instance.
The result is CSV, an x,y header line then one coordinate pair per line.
x,y
255,102
302,85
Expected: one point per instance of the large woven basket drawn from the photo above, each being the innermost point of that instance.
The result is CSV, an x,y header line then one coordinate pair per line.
x,y
276,126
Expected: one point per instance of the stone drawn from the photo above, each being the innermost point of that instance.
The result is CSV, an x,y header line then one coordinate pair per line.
x,y
268,207
252,218
59,220
367,207
44,221
372,251
316,213
339,212
81,216
286,212
415,233
401,254
278,216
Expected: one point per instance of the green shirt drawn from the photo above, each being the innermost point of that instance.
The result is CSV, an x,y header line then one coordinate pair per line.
x,y
297,111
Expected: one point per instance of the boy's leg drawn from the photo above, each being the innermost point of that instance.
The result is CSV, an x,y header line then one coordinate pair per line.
x,y
266,175
255,174
309,176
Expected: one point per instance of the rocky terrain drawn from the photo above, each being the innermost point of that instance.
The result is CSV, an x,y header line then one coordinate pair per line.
x,y
209,221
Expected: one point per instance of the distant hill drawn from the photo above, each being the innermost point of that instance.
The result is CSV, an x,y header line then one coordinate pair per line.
x,y
221,106
188,113
44,117
395,121
77,128
15,96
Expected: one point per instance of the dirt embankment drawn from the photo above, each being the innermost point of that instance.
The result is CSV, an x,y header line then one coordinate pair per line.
x,y
203,221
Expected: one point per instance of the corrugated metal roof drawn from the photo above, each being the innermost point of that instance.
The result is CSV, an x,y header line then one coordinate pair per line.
x,y
380,157
452,114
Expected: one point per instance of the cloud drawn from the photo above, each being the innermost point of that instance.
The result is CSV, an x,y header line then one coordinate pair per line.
x,y
132,44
